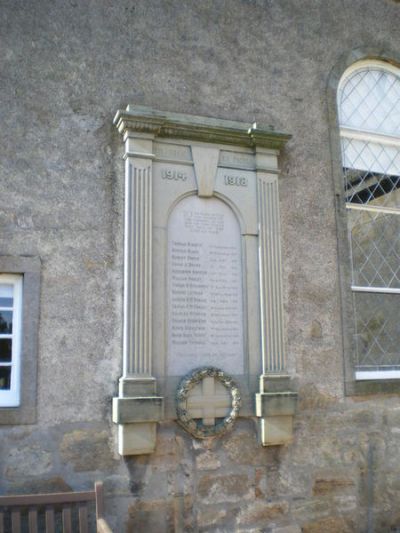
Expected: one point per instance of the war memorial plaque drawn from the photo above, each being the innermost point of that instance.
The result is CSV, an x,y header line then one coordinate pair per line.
x,y
203,306
205,301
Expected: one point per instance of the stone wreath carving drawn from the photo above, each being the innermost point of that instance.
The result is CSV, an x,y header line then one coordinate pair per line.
x,y
197,428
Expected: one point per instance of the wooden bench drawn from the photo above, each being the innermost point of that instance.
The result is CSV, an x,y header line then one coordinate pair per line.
x,y
54,512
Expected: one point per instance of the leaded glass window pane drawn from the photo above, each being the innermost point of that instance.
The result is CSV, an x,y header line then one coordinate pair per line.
x,y
5,377
369,116
6,296
370,101
5,350
371,172
375,247
6,321
377,330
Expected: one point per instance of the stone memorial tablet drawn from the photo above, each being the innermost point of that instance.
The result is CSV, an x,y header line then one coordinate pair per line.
x,y
202,278
205,300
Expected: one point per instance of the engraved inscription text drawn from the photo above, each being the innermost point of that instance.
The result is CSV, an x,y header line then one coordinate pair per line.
x,y
205,304
239,181
168,174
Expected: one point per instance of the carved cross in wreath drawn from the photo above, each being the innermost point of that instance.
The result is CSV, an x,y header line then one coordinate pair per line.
x,y
209,400
200,394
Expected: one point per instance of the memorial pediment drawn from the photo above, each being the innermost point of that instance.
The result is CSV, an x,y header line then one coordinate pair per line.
x,y
195,128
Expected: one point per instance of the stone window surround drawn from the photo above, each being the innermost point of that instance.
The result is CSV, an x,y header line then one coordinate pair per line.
x,y
351,385
29,267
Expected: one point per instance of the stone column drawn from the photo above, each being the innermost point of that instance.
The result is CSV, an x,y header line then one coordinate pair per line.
x,y
137,408
275,403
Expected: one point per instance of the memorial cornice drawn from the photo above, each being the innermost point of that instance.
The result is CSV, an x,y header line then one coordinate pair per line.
x,y
177,125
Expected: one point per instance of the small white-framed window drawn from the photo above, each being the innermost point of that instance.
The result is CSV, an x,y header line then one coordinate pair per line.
x,y
369,119
10,339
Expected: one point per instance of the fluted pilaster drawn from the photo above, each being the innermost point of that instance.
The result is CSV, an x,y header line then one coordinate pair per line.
x,y
138,268
270,259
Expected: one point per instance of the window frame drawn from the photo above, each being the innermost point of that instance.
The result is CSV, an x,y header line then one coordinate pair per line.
x,y
382,139
351,60
29,270
12,397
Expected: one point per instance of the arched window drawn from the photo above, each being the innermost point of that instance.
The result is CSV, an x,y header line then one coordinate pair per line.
x,y
369,119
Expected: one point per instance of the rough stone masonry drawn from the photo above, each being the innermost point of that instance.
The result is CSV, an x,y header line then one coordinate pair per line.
x,y
67,66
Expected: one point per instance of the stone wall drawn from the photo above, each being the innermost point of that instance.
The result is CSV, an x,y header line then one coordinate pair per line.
x,y
67,66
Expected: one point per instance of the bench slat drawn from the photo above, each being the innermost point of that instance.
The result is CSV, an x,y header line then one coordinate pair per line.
x,y
99,491
16,521
37,503
50,520
66,520
40,499
83,519
33,521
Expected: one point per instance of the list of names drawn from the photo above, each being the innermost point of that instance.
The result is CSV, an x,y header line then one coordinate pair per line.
x,y
205,306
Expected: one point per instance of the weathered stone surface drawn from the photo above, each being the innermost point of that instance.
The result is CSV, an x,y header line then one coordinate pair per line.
x,y
207,461
287,529
259,513
346,503
362,417
243,448
206,444
305,509
152,516
167,454
329,485
18,433
208,516
316,330
86,450
392,418
332,524
35,486
312,398
182,481
260,483
28,461
224,488
152,485
161,516
118,485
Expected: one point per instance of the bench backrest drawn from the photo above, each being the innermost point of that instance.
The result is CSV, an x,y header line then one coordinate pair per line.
x,y
68,512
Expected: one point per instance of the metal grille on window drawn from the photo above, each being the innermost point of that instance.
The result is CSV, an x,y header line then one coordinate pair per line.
x,y
369,115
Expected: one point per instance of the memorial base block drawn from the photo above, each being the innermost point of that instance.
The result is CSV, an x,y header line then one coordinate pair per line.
x,y
137,411
276,430
137,439
276,410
